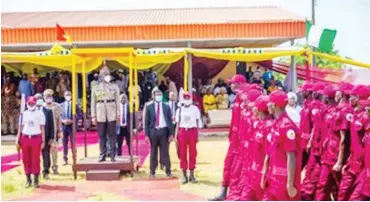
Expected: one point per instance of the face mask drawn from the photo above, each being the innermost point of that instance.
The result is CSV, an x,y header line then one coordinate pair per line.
x,y
158,98
107,79
31,108
39,102
49,100
188,102
68,98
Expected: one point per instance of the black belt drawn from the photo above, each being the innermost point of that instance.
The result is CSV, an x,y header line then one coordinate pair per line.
x,y
105,101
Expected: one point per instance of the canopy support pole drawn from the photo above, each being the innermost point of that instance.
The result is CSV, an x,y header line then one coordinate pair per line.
x,y
74,102
293,69
84,104
131,95
190,70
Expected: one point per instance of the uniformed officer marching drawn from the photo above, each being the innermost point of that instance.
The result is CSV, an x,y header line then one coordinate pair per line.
x,y
105,112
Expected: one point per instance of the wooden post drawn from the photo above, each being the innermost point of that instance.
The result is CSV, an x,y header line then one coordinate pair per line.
x,y
74,102
84,103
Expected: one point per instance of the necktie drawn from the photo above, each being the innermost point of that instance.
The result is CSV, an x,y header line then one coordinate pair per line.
x,y
123,114
67,112
157,116
173,108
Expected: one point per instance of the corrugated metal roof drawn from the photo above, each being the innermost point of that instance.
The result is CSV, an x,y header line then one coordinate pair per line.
x,y
180,16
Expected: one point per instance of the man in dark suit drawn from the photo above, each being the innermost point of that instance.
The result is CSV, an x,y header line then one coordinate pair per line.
x,y
159,131
124,124
66,124
173,103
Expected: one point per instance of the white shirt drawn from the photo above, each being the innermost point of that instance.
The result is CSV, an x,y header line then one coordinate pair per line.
x,y
31,121
190,117
162,120
294,114
172,105
123,114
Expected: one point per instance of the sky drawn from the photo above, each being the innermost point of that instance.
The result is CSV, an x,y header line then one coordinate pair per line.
x,y
349,17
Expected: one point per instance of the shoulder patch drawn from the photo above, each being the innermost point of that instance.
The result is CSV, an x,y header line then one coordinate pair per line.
x,y
291,134
349,117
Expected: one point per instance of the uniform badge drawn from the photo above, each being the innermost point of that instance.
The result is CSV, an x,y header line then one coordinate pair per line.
x,y
291,134
255,124
31,123
349,117
269,137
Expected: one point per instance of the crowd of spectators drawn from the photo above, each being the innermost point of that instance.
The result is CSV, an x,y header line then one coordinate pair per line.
x,y
207,96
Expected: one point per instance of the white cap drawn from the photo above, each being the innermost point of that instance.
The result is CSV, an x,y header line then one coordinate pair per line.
x,y
292,95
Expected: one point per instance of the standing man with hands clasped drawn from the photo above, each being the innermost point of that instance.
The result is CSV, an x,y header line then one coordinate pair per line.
x,y
67,124
105,113
159,131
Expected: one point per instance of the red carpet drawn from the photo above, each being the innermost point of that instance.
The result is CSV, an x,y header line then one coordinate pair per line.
x,y
152,190
9,162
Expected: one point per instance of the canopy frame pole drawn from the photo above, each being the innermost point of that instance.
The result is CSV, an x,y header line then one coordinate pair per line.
x,y
131,77
190,69
293,67
74,102
84,104
137,105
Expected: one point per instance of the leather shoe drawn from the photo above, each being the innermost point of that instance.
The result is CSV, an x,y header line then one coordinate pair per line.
x,y
152,176
101,159
169,175
113,160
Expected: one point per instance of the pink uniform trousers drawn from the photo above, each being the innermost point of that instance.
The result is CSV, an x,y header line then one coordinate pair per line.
x,y
187,140
311,178
229,159
252,191
357,194
327,184
31,150
277,192
347,185
235,175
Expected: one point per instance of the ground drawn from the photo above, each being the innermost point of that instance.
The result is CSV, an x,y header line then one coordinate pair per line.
x,y
211,153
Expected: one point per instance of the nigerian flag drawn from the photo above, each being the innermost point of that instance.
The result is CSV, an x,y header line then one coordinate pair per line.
x,y
322,39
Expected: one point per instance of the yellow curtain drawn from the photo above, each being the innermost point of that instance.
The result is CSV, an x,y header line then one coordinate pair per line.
x,y
61,62
267,54
339,59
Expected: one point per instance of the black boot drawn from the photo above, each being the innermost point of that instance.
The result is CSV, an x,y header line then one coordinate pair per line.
x,y
28,182
36,181
184,178
192,178
222,195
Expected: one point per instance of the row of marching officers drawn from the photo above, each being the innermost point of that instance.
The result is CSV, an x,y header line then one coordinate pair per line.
x,y
269,152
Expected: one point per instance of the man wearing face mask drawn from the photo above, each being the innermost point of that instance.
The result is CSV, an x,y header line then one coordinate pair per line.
x,y
40,101
159,131
124,125
105,113
188,121
52,138
67,124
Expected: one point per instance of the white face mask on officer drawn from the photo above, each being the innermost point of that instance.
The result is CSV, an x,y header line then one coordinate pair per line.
x,y
49,100
107,78
31,108
68,97
187,102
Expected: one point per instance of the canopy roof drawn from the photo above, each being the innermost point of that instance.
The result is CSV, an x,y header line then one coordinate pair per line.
x,y
263,23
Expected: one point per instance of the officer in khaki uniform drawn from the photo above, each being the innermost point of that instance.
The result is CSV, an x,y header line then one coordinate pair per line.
x,y
105,112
